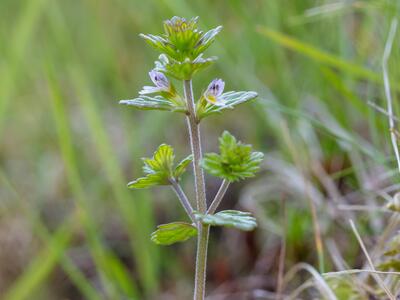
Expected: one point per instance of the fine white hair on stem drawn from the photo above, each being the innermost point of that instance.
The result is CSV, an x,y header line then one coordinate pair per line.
x,y
374,272
386,55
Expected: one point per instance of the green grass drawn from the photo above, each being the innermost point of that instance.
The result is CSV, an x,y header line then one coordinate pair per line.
x,y
67,149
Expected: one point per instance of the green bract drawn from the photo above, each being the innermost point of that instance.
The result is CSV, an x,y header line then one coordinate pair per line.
x,y
229,100
182,70
171,233
229,218
182,45
160,169
182,39
236,160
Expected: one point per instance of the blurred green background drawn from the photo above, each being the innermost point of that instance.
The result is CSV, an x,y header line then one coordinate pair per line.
x,y
69,227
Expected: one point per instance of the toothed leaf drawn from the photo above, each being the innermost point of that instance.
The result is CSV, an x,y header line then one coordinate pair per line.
x,y
229,100
159,169
181,167
146,182
229,218
154,103
171,233
236,160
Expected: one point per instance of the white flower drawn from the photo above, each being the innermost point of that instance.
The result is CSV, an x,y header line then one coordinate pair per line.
x,y
160,81
214,92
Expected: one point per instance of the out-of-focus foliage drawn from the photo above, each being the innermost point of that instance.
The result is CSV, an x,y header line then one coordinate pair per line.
x,y
70,228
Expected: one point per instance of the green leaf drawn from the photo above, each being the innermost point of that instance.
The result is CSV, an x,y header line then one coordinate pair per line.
x,y
206,40
159,43
160,169
181,167
155,103
229,218
148,181
171,233
236,160
230,100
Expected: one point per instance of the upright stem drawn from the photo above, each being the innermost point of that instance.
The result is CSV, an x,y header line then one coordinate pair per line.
x,y
195,143
201,202
201,262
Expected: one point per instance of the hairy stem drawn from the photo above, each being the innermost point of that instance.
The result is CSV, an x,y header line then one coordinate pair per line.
x,y
183,199
195,143
218,197
201,202
201,262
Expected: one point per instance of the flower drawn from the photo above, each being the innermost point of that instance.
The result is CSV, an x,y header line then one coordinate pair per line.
x,y
161,83
214,92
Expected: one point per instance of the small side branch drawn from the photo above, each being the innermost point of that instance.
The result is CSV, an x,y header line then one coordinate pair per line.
x,y
218,197
183,199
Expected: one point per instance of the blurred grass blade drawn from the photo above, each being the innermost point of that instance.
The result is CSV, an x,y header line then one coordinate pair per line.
x,y
43,264
105,260
137,215
120,274
138,223
71,270
338,83
76,276
23,32
319,55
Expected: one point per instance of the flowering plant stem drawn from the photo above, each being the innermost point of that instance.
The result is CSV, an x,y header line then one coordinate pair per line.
x,y
201,202
182,48
201,262
195,143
